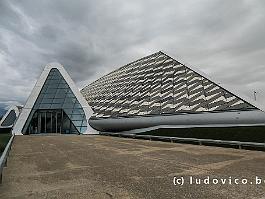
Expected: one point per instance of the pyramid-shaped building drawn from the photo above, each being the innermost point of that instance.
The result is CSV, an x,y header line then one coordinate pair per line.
x,y
158,91
154,92
55,105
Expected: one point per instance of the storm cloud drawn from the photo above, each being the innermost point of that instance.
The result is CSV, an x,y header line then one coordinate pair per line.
x,y
223,38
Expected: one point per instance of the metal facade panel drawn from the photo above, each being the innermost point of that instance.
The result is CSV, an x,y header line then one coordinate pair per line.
x,y
157,85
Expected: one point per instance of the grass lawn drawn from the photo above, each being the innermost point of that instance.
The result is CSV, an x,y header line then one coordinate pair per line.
x,y
244,134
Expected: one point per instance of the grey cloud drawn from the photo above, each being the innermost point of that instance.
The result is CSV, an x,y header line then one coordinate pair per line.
x,y
90,38
9,18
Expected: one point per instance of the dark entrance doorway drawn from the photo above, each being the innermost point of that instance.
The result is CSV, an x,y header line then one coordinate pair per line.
x,y
51,121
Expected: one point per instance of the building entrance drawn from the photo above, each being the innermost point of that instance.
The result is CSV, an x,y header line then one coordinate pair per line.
x,y
51,121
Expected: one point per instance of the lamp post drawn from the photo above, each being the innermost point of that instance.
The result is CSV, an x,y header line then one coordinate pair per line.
x,y
255,97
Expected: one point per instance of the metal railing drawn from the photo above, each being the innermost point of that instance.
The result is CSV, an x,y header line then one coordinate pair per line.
x,y
4,156
198,141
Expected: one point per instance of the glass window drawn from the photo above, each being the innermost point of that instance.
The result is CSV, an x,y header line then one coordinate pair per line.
x,y
52,82
83,129
51,90
84,123
10,119
77,123
56,106
38,101
70,92
78,128
77,111
40,96
68,105
63,86
77,105
70,95
77,117
48,95
70,100
46,101
45,106
53,85
45,86
58,100
60,95
68,111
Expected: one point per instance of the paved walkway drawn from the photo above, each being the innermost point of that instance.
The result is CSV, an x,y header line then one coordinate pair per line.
x,y
101,167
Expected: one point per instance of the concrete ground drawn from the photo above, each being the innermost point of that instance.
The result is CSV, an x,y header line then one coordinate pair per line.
x,y
100,167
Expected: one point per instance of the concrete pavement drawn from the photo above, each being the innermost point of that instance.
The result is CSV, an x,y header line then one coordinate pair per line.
x,y
100,167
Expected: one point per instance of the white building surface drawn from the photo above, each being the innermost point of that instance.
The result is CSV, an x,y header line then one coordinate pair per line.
x,y
150,93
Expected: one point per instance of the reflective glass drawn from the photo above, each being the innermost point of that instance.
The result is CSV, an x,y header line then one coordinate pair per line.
x,y
77,117
10,119
68,111
45,106
46,101
58,100
61,108
68,105
63,86
49,95
56,106
52,91
77,111
77,123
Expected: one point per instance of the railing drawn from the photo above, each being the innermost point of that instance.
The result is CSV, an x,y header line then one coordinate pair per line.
x,y
238,144
3,158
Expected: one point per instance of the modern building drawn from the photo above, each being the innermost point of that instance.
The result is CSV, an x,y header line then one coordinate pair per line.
x,y
160,92
55,105
8,120
150,93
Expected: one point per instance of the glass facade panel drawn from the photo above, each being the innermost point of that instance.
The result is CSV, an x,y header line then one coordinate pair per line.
x,y
56,106
70,100
44,106
77,117
63,86
10,119
58,101
51,90
46,101
56,109
77,111
70,95
78,122
77,105
68,105
83,129
48,95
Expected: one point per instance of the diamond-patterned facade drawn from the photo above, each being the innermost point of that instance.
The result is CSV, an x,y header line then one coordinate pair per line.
x,y
157,85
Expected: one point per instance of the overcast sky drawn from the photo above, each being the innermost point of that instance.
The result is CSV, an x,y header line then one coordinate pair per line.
x,y
223,38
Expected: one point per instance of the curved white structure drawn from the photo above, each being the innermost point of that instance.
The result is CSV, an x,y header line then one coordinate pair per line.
x,y
214,119
10,117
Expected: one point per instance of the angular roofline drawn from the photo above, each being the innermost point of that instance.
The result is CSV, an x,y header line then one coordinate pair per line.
x,y
158,53
18,127
220,84
196,70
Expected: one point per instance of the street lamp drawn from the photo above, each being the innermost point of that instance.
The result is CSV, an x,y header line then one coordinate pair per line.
x,y
255,97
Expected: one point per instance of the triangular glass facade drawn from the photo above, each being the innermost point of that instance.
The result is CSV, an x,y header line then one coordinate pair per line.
x,y
56,109
157,85
10,119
